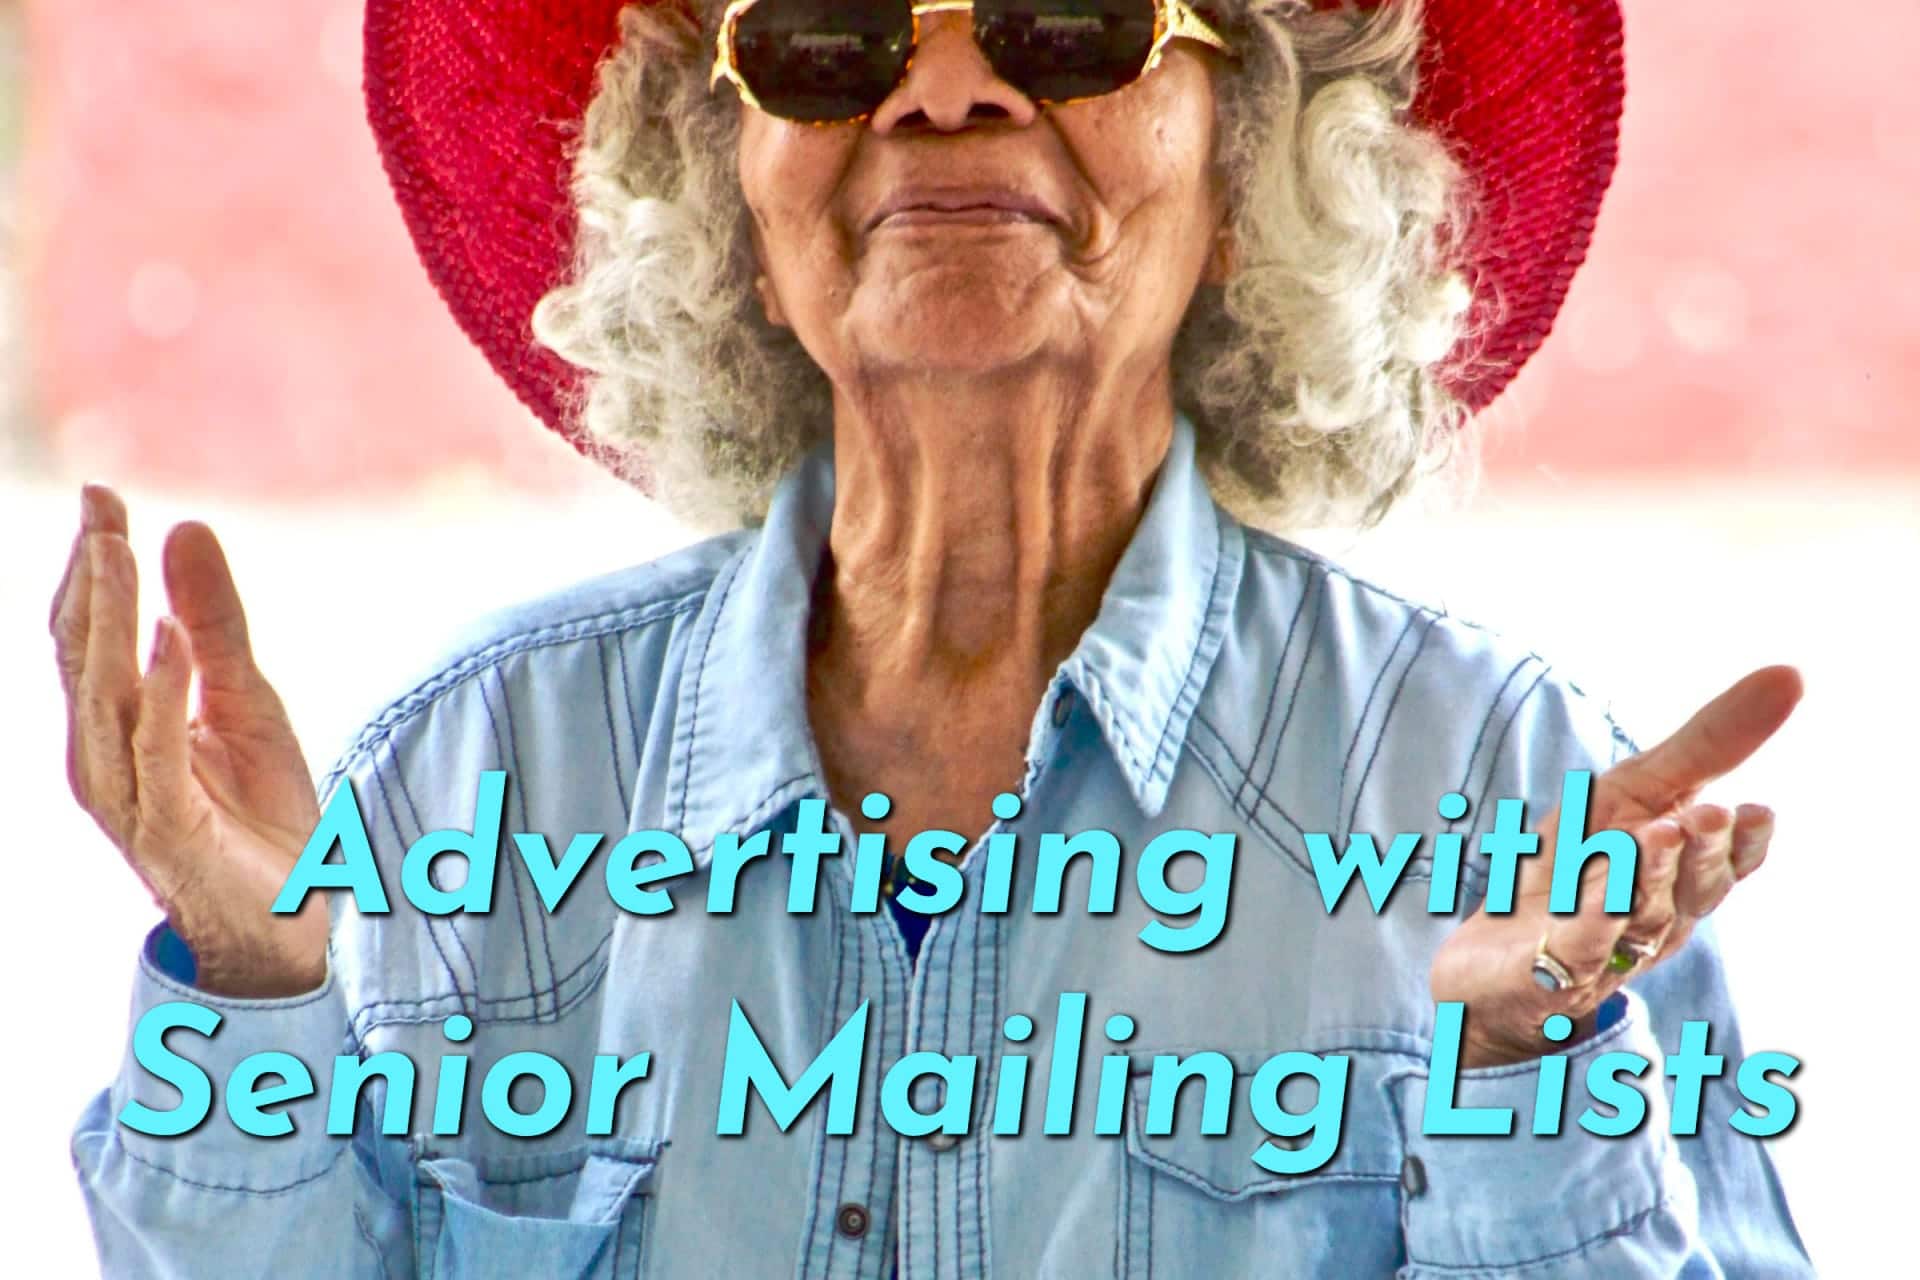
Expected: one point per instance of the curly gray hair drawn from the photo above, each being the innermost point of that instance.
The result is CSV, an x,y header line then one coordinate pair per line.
x,y
1316,377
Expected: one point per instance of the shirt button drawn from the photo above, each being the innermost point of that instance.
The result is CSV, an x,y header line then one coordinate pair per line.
x,y
1062,708
941,1140
1413,1176
852,1220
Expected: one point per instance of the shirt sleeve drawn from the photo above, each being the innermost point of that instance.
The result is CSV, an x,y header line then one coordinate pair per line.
x,y
1573,1203
171,956
218,1201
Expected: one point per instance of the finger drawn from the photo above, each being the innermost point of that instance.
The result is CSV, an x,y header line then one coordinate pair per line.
x,y
201,592
160,748
71,612
1717,739
1752,837
1706,868
100,511
1663,847
105,701
66,578
1584,941
113,602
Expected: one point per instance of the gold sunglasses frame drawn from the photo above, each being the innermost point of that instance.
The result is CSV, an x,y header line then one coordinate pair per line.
x,y
1172,20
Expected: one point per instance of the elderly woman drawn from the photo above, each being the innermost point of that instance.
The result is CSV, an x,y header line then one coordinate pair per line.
x,y
981,318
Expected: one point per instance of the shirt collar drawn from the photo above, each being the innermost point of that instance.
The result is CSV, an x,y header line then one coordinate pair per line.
x,y
742,750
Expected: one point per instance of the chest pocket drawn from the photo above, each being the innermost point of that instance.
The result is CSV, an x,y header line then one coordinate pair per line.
x,y
1194,1205
573,1214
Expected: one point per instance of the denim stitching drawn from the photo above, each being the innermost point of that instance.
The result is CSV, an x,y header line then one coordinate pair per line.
x,y
1251,817
1185,692
424,694
366,1234
518,795
1291,551
386,807
1478,874
1149,1240
1260,795
380,1008
1500,743
826,1139
1279,677
626,695
431,923
613,737
1318,589
984,1148
889,978
273,1004
381,1013
732,574
851,937
946,1034
1480,737
526,944
1366,708
1380,734
417,1018
281,1189
1270,1187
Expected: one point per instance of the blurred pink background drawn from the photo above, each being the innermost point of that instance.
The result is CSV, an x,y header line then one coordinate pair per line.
x,y
219,292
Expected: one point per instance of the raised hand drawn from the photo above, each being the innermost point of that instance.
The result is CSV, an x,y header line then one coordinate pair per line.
x,y
210,811
1691,855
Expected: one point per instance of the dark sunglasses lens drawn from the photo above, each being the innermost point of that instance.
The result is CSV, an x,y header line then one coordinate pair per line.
x,y
823,59
1058,50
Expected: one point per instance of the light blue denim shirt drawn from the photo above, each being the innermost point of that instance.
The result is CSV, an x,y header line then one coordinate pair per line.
x,y
1232,682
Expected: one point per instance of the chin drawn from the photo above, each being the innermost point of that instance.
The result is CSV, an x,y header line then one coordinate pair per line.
x,y
966,322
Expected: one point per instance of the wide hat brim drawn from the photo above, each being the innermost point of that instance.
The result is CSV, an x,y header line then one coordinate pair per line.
x,y
475,105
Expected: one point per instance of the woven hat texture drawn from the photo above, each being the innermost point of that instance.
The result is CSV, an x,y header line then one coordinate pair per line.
x,y
474,104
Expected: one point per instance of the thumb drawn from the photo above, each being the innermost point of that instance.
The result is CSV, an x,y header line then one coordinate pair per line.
x,y
160,750
201,592
1719,737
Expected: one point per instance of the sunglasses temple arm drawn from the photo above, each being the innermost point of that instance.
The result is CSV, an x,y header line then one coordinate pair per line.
x,y
1185,23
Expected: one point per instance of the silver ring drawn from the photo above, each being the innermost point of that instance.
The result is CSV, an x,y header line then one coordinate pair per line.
x,y
1548,972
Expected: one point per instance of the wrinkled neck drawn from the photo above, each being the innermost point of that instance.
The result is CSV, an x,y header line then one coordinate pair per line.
x,y
975,528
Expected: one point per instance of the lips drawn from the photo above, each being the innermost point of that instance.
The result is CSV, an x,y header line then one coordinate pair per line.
x,y
962,206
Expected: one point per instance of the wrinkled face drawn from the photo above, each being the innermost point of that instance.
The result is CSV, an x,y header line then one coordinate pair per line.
x,y
964,230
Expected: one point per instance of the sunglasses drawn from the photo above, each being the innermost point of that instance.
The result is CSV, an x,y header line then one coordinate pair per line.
x,y
829,61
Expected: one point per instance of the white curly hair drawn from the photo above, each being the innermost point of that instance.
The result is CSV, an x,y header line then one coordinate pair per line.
x,y
1316,377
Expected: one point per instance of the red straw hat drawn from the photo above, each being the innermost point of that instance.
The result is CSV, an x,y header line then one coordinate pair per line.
x,y
474,103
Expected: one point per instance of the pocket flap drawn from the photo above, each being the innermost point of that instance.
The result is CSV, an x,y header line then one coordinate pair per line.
x,y
1360,1132
486,1216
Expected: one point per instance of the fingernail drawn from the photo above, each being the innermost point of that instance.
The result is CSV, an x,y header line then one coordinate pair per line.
x,y
162,640
1752,845
1715,820
1664,831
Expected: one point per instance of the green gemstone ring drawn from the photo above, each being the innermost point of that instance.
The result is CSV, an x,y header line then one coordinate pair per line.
x,y
1629,954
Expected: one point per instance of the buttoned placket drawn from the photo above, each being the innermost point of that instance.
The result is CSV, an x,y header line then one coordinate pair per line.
x,y
932,1213
957,1010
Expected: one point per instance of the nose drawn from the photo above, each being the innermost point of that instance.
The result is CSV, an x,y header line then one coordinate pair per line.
x,y
949,83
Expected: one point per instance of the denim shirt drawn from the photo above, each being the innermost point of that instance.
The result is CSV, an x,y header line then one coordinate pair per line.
x,y
1232,682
